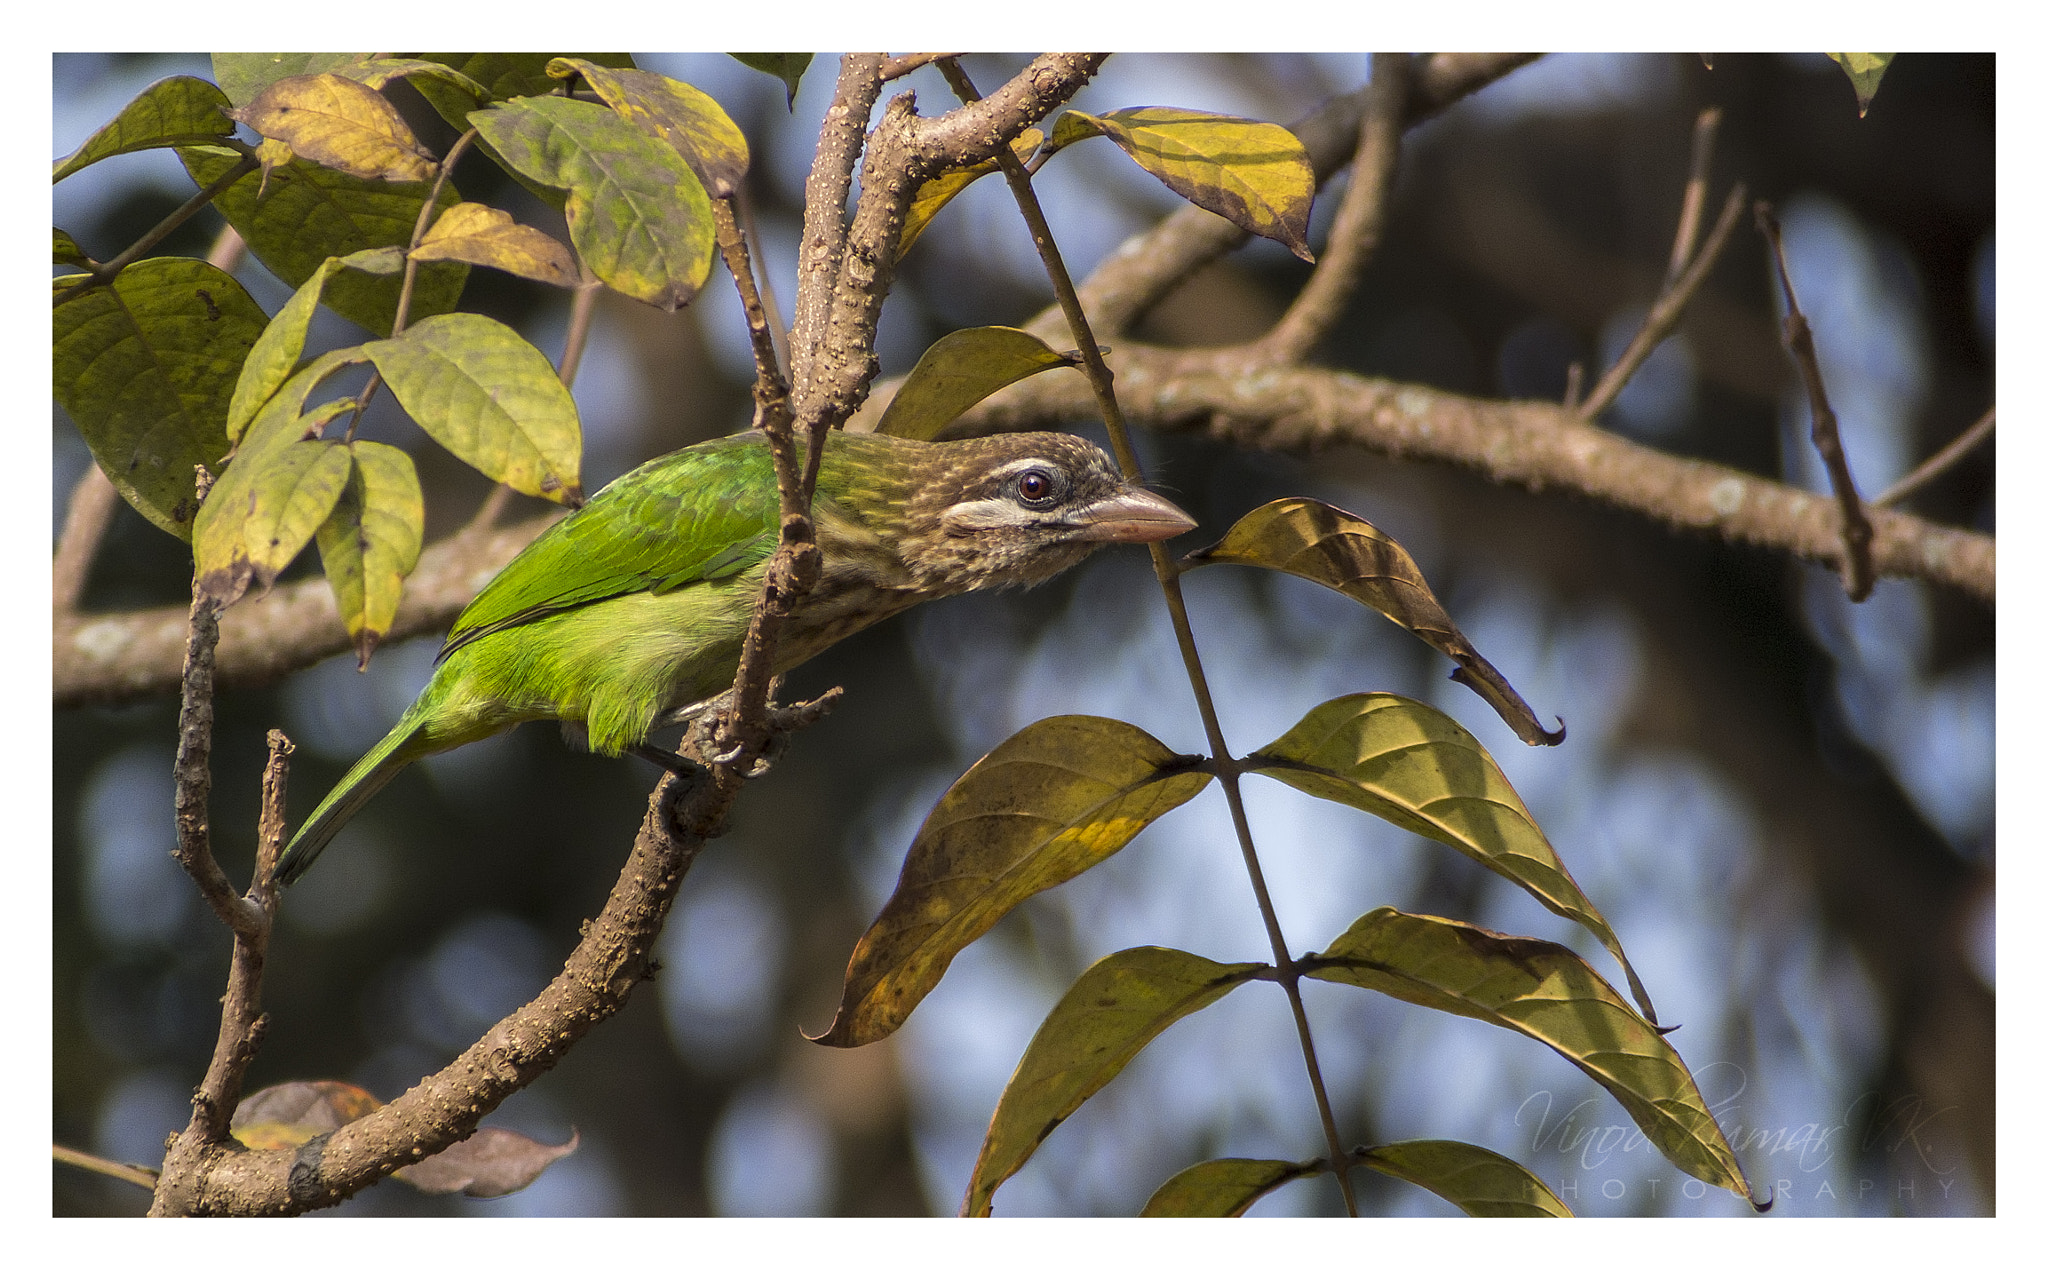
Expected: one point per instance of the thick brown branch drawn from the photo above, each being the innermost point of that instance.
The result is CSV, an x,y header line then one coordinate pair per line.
x,y
840,139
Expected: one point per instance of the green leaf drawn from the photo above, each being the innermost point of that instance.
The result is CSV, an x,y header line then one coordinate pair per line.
x,y
1223,1188
179,111
254,526
482,235
371,541
637,214
943,188
379,71
146,367
959,370
1255,175
1547,992
66,251
1113,1011
307,213
1482,1183
671,111
1064,794
491,398
336,122
1864,71
1324,544
243,75
276,353
787,67
1413,765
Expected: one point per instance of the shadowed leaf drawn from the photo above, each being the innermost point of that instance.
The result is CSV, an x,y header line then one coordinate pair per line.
x,y
243,75
306,213
481,235
336,122
1413,765
1864,70
671,111
65,250
491,1162
491,398
637,213
1327,545
1113,1011
1255,175
1222,1188
787,67
146,367
501,76
180,111
942,189
959,370
1482,1183
378,71
1059,797
1545,991
371,541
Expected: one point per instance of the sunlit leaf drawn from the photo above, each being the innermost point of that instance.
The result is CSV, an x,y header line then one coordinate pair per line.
x,y
1324,544
307,213
276,354
1255,175
146,367
1547,992
787,67
336,122
66,251
482,235
252,528
1482,1183
491,398
1413,765
1864,70
371,541
1110,1014
1064,794
1223,1188
638,216
960,369
671,111
179,111
943,188
243,75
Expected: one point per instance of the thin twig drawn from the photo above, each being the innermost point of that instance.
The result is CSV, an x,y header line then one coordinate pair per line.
x,y
899,66
140,1175
228,250
1857,573
106,273
1574,384
1100,381
1664,315
85,524
1695,201
1942,460
764,278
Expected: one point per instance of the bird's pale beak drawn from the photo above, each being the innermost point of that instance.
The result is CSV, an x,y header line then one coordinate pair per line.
x,y
1133,516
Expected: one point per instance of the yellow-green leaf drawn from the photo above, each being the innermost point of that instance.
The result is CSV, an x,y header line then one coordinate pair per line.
x,y
638,215
491,398
671,111
336,122
1413,765
276,354
787,67
379,71
1864,71
483,235
1324,544
306,213
1110,1014
371,541
146,367
180,111
503,76
943,188
1547,992
243,75
1482,1183
256,524
960,369
1064,794
66,251
1255,175
1223,1188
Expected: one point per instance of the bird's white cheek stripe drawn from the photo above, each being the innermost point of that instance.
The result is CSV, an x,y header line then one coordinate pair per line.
x,y
986,514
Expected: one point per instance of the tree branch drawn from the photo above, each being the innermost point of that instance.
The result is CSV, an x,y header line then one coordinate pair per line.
x,y
1941,461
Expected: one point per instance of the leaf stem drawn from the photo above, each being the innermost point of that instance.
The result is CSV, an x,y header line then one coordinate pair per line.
x,y
1227,768
105,274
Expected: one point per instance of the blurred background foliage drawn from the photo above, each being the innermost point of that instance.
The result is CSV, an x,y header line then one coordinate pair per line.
x,y
1783,803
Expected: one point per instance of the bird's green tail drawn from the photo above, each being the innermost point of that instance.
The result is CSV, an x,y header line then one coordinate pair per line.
x,y
369,776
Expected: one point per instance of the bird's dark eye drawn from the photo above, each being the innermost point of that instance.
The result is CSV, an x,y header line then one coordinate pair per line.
x,y
1037,487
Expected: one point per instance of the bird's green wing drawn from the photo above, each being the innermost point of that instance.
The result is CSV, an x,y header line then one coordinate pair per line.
x,y
701,513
